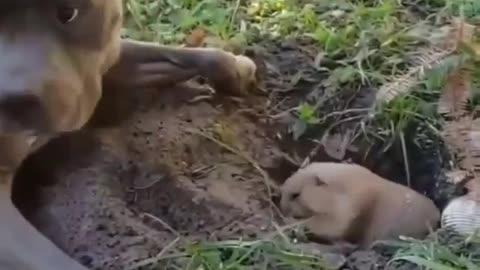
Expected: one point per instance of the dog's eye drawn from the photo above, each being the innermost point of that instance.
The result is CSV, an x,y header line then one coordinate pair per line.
x,y
66,14
294,196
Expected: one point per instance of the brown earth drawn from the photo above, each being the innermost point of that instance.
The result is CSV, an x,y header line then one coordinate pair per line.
x,y
113,196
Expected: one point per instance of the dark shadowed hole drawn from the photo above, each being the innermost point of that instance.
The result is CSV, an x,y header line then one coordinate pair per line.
x,y
37,171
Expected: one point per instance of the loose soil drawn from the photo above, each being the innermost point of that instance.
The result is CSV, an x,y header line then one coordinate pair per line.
x,y
115,195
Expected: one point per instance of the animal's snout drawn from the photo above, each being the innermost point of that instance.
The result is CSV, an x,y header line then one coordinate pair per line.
x,y
21,110
26,72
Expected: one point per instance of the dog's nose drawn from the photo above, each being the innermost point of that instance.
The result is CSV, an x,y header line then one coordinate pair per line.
x,y
26,57
20,110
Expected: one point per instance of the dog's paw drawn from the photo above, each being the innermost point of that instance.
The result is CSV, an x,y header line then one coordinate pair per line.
x,y
231,74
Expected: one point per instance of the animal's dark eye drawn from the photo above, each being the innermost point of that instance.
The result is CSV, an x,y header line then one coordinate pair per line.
x,y
295,196
319,181
66,14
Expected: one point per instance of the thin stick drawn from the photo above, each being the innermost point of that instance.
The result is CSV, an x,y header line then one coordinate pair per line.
x,y
155,259
234,15
163,223
405,158
149,185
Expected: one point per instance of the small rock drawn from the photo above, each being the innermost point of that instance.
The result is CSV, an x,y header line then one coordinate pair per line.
x,y
86,261
113,243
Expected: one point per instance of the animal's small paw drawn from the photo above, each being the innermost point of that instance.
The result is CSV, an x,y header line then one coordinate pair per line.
x,y
231,74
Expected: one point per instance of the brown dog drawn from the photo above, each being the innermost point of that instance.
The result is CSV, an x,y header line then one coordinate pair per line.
x,y
56,59
348,202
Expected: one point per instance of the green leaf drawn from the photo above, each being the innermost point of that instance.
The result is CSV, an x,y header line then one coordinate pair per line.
x,y
344,74
423,262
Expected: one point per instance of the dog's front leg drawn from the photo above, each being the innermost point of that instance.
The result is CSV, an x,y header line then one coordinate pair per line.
x,y
22,247
144,65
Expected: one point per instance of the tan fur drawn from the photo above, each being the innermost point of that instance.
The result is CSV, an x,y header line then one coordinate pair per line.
x,y
348,202
61,72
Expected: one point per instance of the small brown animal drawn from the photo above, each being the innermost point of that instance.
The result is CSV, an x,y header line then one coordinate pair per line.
x,y
57,59
349,203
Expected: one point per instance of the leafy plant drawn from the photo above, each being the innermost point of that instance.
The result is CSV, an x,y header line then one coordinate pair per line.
x,y
436,253
168,21
306,116
262,254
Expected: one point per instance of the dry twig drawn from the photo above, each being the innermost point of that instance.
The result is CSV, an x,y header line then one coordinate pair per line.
x,y
157,258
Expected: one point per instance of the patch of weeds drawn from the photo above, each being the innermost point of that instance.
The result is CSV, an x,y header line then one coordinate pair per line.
x,y
307,115
255,255
169,21
366,45
430,85
275,18
405,117
468,8
443,251
367,41
414,112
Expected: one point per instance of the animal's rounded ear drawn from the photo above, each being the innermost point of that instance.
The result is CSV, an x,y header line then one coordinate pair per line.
x,y
319,181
